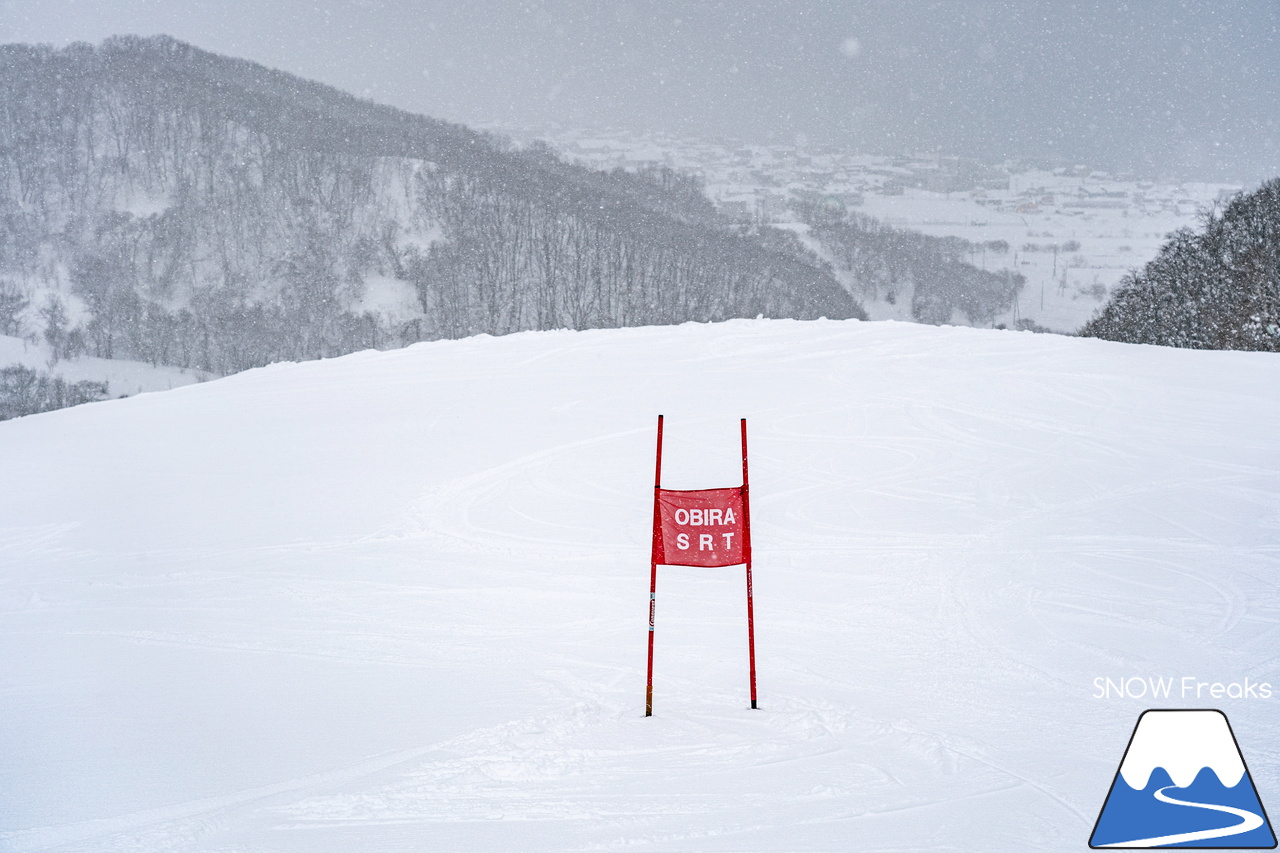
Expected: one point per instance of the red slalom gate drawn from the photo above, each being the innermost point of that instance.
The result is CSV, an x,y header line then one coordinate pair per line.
x,y
701,527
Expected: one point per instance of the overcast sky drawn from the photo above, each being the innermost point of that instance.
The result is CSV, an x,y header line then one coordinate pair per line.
x,y
1175,89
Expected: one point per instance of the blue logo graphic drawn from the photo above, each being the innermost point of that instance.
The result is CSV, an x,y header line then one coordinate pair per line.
x,y
1183,783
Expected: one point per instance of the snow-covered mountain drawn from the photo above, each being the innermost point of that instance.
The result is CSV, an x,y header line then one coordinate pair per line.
x,y
171,205
1214,803
398,600
1183,743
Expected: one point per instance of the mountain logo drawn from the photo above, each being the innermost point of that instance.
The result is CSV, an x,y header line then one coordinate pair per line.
x,y
1183,783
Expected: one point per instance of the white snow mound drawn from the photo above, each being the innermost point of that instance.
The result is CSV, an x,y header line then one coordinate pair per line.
x,y
1183,743
398,601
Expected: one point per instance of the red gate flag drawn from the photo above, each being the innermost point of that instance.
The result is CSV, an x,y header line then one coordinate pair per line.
x,y
703,527
706,527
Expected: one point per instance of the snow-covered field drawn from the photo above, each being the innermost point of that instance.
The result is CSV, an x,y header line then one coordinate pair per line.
x,y
1073,234
123,378
1064,288
397,601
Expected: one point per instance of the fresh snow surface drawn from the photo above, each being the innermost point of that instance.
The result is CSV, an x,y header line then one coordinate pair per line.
x,y
397,601
1183,743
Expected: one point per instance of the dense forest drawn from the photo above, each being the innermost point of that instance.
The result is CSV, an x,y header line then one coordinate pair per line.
x,y
161,203
1215,289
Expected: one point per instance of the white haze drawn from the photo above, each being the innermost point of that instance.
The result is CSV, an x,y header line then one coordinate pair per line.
x,y
1175,89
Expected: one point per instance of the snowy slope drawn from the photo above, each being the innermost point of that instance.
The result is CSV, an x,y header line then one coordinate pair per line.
x,y
397,600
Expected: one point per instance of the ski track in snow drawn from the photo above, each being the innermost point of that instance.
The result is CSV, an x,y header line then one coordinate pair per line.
x,y
396,601
1248,822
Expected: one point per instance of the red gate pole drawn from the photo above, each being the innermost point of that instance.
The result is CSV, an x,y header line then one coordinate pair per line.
x,y
653,569
746,552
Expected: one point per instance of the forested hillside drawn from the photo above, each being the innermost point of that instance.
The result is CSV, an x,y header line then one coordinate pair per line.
x,y
162,203
928,273
1217,289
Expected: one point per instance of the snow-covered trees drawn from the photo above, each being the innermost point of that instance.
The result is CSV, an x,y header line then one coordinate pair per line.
x,y
56,333
1217,289
206,212
12,303
24,391
890,264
